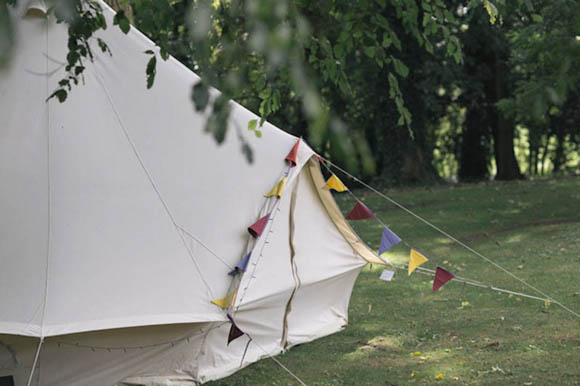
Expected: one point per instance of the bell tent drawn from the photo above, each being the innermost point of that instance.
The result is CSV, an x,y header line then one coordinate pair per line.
x,y
132,246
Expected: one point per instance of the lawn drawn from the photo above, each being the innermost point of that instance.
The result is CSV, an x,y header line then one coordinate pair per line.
x,y
401,333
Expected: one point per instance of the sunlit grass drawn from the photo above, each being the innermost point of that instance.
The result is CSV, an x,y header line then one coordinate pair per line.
x,y
469,335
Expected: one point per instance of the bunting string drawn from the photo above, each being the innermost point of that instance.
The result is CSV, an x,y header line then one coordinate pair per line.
x,y
205,247
377,218
430,272
447,235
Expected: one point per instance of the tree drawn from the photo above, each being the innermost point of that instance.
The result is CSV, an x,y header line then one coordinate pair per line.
x,y
297,57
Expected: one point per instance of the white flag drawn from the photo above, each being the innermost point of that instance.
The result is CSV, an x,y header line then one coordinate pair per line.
x,y
387,275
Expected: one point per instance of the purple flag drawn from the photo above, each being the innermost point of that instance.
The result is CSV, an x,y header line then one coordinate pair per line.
x,y
241,266
359,212
388,240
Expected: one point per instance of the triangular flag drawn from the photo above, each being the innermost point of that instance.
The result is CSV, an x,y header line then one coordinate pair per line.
x,y
225,302
256,228
359,212
235,332
291,157
241,266
441,277
415,260
278,189
335,183
388,240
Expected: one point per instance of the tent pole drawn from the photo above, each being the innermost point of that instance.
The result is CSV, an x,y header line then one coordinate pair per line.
x,y
35,361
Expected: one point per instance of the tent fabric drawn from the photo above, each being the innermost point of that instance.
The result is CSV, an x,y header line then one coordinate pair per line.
x,y
119,225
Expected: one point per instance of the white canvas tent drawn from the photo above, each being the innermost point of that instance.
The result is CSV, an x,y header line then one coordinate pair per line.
x,y
120,220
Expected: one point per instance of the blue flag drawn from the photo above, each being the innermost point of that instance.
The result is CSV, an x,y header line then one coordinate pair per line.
x,y
241,266
388,240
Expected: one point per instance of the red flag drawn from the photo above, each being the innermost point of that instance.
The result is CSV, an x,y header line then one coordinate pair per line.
x,y
256,228
235,332
291,157
441,277
359,212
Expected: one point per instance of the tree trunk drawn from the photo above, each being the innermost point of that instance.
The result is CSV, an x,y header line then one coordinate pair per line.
x,y
505,158
503,131
474,149
559,158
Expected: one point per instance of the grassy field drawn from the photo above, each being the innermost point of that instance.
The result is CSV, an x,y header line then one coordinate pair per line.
x,y
401,333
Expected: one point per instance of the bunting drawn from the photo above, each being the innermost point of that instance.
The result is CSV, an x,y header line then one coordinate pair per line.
x,y
225,302
359,212
335,183
235,331
278,189
388,240
257,228
241,266
442,276
415,260
292,156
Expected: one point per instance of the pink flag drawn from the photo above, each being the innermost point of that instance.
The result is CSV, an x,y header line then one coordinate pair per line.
x,y
291,157
235,332
256,228
441,277
359,212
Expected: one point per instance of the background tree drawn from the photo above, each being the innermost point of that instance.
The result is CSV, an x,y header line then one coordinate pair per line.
x,y
402,90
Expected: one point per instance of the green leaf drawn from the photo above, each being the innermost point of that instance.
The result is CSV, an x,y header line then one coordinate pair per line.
x,y
217,124
339,51
121,20
537,18
369,51
401,68
248,153
258,133
60,94
200,96
252,124
164,54
491,10
151,71
102,45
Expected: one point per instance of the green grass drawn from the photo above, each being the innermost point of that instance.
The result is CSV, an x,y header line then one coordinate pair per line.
x,y
401,333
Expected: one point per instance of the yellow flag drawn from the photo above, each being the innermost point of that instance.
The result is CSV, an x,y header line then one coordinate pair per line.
x,y
335,183
227,301
415,260
278,189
